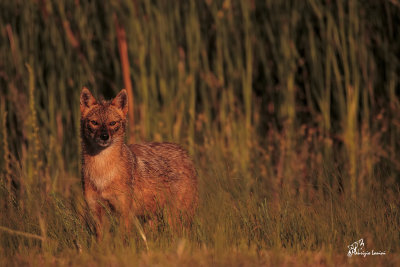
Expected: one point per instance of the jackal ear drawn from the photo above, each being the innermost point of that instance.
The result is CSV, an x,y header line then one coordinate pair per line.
x,y
87,100
121,101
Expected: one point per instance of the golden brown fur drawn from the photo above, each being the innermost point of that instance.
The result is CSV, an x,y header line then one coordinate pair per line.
x,y
134,180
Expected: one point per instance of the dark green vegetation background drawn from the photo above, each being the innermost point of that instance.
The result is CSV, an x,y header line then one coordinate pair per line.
x,y
290,109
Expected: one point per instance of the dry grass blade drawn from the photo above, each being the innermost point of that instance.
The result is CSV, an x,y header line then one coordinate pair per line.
x,y
141,232
20,233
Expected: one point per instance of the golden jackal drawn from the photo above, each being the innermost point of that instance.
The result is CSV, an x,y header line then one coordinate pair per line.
x,y
132,180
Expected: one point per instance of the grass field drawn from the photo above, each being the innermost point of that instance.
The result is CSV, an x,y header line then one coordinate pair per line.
x,y
289,109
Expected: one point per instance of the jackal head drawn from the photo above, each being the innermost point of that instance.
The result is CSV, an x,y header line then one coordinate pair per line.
x,y
103,123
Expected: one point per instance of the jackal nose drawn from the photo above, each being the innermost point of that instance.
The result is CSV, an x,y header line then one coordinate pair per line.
x,y
104,136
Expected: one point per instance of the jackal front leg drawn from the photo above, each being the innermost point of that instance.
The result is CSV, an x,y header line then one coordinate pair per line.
x,y
97,210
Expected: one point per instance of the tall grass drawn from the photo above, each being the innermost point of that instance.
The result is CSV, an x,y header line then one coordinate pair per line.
x,y
289,108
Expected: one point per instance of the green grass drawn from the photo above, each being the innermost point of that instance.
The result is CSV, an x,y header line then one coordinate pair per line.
x,y
290,110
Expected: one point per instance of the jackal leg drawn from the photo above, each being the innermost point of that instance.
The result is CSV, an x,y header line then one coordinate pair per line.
x,y
93,201
121,203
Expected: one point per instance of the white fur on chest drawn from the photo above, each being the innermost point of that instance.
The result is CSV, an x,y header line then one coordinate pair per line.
x,y
103,170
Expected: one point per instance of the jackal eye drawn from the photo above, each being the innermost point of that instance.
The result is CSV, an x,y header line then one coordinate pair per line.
x,y
113,123
94,122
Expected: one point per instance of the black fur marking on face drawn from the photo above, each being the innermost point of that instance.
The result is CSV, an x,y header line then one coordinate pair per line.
x,y
115,129
90,129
